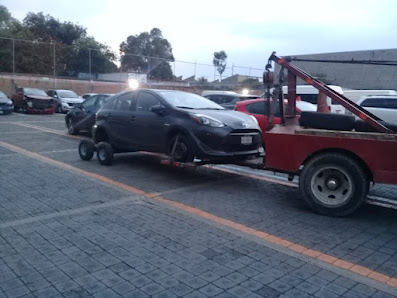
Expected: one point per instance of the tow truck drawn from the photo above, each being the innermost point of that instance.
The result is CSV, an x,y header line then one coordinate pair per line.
x,y
335,158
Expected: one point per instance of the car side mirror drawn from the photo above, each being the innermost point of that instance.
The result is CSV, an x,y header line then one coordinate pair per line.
x,y
19,93
78,105
158,109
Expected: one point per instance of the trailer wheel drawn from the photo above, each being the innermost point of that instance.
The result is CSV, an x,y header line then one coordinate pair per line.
x,y
104,153
333,184
86,149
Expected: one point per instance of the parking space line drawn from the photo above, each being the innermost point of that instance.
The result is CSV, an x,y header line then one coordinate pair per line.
x,y
50,130
300,249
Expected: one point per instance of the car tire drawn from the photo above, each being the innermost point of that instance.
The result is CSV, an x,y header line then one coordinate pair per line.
x,y
105,153
71,129
183,150
59,109
362,126
333,184
327,121
86,149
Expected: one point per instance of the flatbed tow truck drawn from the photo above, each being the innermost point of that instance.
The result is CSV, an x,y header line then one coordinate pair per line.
x,y
335,164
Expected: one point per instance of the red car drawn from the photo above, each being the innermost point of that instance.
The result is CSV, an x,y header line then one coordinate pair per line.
x,y
33,101
256,108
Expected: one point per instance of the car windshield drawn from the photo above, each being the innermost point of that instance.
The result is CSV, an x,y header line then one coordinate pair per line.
x,y
187,100
2,95
34,91
67,94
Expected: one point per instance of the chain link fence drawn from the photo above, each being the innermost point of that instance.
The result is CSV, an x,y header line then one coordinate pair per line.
x,y
58,61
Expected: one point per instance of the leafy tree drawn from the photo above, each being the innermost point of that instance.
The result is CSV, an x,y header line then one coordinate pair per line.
x,y
35,39
219,62
148,52
251,83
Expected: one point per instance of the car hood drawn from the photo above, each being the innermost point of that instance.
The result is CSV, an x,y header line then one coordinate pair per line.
x,y
72,99
38,97
4,100
230,118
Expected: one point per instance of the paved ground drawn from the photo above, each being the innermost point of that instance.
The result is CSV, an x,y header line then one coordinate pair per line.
x,y
140,229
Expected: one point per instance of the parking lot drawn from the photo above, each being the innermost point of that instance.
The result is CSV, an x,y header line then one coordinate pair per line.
x,y
141,229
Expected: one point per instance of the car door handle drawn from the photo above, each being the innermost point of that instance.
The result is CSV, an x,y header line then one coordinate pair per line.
x,y
108,115
132,118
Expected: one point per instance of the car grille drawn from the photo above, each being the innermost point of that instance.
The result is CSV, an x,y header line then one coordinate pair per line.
x,y
2,104
70,104
42,104
232,142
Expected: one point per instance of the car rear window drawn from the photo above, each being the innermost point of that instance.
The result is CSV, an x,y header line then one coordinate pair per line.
x,y
260,108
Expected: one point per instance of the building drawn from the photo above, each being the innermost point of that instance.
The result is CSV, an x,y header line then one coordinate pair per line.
x,y
352,76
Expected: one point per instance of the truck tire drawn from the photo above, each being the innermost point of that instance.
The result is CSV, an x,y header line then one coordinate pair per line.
x,y
363,126
333,184
327,121
104,153
86,149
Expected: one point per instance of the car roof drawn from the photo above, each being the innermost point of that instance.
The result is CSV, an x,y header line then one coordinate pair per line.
x,y
376,96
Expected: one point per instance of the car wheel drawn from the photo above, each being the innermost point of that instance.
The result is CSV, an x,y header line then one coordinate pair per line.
x,y
180,149
333,184
71,129
86,149
104,153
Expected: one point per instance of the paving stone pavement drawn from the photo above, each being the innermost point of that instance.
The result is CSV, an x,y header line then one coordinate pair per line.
x,y
134,247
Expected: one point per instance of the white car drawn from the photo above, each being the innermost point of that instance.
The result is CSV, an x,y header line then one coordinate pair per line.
x,y
384,107
65,99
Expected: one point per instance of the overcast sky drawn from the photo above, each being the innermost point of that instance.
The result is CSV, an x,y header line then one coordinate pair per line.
x,y
248,31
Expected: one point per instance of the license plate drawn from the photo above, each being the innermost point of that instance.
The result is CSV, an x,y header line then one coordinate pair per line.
x,y
246,140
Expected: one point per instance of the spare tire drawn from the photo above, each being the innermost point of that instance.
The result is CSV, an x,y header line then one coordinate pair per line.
x,y
363,126
327,121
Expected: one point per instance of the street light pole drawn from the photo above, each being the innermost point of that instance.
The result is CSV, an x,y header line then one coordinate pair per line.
x,y
89,65
13,56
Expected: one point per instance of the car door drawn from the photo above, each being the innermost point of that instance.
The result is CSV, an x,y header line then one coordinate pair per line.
x,y
150,125
120,121
84,116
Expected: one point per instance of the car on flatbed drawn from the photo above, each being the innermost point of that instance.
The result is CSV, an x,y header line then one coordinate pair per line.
x,y
183,125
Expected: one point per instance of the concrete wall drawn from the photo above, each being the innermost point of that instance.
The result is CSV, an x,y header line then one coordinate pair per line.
x,y
9,83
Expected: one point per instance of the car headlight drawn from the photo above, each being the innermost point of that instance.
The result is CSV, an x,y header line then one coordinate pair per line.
x,y
206,120
9,103
64,101
30,104
255,120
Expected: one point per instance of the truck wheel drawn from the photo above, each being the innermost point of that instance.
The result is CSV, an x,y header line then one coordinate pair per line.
x,y
104,153
182,152
86,149
333,184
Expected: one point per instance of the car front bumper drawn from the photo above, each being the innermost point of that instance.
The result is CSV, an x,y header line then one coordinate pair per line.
x,y
227,143
6,109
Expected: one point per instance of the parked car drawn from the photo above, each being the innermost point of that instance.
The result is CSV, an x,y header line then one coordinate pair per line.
x,y
384,107
182,124
6,105
65,99
33,101
86,95
258,109
226,99
82,116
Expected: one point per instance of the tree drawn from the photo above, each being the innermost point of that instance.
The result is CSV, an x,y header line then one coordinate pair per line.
x,y
219,62
148,52
37,37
